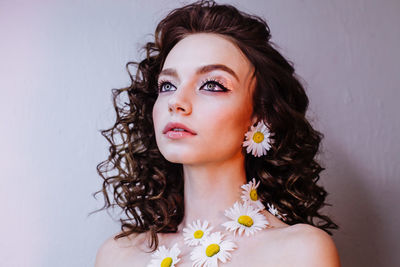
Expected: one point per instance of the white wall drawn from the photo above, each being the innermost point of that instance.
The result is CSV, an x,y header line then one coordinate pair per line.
x,y
60,59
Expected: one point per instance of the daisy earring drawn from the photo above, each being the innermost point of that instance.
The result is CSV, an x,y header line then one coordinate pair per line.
x,y
258,140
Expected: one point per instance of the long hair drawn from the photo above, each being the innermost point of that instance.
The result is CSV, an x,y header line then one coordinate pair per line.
x,y
149,189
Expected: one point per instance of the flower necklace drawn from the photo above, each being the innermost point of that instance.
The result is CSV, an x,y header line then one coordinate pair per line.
x,y
212,247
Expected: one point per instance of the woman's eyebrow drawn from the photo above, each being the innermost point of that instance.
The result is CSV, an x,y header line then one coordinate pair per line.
x,y
202,70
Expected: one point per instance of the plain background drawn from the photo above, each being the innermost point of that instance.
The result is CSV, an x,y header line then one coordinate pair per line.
x,y
60,59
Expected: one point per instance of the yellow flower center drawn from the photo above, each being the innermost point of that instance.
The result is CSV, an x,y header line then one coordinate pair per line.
x,y
258,137
245,220
212,249
198,234
166,262
253,194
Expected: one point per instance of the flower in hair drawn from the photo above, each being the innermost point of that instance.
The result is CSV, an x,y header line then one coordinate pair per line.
x,y
196,232
165,257
244,219
213,249
250,196
258,140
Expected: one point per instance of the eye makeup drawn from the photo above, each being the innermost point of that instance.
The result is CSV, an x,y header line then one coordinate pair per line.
x,y
214,82
161,84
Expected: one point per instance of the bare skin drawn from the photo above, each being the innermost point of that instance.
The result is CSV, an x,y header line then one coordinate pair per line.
x,y
214,170
279,246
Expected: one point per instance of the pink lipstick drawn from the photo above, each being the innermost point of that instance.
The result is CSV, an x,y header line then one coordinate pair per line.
x,y
176,130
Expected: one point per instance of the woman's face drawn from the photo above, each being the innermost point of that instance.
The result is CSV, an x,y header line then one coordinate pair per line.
x,y
191,92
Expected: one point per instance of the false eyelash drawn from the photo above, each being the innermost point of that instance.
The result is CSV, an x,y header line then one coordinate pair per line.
x,y
216,82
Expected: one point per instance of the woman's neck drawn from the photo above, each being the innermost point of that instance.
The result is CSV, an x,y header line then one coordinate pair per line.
x,y
212,188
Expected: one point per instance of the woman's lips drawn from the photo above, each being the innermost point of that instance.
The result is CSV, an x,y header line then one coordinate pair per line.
x,y
177,125
177,134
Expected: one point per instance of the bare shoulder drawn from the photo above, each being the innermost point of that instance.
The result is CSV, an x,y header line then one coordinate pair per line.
x,y
311,246
122,252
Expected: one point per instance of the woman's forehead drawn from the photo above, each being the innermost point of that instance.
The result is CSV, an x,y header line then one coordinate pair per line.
x,y
207,49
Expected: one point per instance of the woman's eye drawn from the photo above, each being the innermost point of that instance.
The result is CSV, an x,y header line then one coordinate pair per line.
x,y
165,86
213,86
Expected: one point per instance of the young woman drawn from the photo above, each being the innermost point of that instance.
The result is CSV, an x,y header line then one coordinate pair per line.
x,y
212,155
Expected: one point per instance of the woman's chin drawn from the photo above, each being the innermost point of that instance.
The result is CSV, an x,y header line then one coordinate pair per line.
x,y
178,158
182,157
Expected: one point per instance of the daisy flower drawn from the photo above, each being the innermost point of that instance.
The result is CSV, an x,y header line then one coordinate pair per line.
x,y
212,249
249,194
274,211
164,257
258,140
196,232
245,218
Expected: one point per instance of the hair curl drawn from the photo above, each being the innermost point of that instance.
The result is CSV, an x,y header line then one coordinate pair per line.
x,y
149,189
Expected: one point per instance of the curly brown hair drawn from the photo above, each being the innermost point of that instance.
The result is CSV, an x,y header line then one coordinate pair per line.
x,y
149,189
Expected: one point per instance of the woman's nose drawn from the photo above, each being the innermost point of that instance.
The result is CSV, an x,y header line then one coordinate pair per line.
x,y
180,102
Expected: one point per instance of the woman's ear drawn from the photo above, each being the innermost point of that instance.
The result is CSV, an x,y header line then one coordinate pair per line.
x,y
254,119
